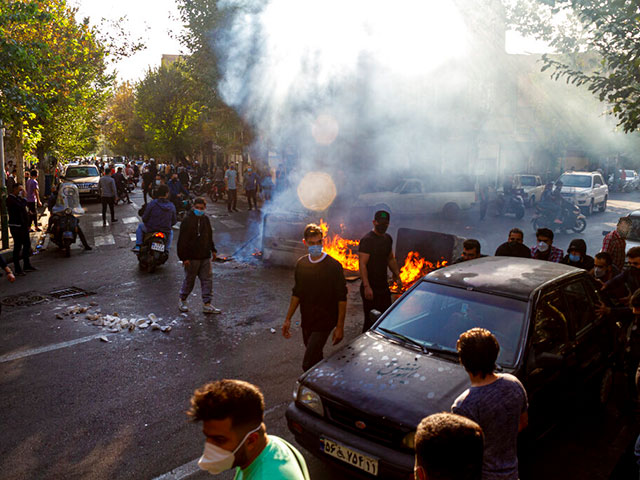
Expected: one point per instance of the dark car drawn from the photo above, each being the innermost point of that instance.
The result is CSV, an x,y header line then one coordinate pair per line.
x,y
359,408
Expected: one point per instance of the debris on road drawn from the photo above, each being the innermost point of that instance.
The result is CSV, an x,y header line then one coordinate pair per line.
x,y
104,339
114,323
272,330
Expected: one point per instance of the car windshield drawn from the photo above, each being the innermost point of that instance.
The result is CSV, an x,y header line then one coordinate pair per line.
x,y
79,172
435,315
528,181
580,181
629,173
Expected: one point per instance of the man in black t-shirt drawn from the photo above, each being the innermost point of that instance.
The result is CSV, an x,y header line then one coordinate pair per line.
x,y
375,254
321,291
514,246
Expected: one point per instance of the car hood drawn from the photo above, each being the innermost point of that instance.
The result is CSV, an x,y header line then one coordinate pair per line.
x,y
83,180
574,190
381,378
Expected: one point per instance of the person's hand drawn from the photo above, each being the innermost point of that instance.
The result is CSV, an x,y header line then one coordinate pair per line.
x,y
602,310
213,256
368,293
338,335
285,329
11,277
186,263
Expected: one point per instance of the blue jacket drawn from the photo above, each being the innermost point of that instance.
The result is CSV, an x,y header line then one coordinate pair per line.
x,y
159,215
175,188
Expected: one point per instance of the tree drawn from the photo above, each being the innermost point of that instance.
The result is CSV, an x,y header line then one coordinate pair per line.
x,y
608,29
170,110
122,127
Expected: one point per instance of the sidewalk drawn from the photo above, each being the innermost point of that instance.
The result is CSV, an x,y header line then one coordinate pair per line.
x,y
43,220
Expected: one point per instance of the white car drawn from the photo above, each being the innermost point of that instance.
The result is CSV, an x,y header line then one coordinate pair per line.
x,y
415,197
532,187
585,189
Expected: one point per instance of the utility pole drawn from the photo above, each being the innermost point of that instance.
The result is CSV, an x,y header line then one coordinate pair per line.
x,y
4,217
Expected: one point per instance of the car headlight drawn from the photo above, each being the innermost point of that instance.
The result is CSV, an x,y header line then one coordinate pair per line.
x,y
409,440
295,391
310,399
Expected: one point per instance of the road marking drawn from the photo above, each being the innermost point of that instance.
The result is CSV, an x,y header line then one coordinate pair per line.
x,y
135,205
189,468
97,223
131,220
9,357
231,224
132,237
102,240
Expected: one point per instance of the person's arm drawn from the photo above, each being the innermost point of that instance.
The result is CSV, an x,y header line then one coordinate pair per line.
x,y
293,306
393,266
37,194
523,422
363,259
338,332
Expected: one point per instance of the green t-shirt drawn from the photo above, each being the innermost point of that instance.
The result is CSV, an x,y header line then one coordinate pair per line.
x,y
278,461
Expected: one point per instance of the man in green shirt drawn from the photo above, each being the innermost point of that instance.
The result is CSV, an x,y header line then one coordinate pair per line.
x,y
232,414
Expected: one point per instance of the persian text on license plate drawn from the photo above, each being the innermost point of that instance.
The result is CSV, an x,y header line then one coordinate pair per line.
x,y
158,247
347,455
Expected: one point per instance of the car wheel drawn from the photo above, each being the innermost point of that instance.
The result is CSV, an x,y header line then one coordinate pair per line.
x,y
603,205
589,210
451,210
519,212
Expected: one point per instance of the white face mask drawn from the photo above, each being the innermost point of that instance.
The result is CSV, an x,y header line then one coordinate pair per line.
x,y
216,460
543,246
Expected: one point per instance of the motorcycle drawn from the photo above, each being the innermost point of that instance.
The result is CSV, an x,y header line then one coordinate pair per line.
x,y
153,251
572,219
511,203
63,225
217,191
183,206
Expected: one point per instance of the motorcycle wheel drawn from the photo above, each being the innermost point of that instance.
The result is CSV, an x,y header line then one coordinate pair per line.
x,y
519,212
151,266
580,225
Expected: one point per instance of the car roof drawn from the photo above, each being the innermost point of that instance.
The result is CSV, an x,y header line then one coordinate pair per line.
x,y
635,213
581,173
508,276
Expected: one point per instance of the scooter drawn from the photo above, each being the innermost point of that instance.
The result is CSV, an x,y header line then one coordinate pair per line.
x,y
153,251
64,230
511,203
217,191
572,219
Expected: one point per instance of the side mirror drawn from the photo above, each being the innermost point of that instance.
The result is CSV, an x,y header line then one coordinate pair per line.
x,y
374,315
548,360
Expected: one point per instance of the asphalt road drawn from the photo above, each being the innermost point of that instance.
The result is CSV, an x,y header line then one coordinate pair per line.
x,y
73,406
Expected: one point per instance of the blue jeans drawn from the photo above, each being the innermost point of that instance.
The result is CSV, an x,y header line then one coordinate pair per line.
x,y
142,229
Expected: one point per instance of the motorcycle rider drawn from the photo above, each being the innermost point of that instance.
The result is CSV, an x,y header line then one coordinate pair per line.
x,y
158,216
176,190
121,185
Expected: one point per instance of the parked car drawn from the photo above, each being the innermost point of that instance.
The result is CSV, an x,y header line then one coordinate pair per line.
x,y
85,177
632,179
585,189
532,187
414,196
359,408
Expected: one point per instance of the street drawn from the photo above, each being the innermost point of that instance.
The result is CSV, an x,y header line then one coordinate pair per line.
x,y
76,406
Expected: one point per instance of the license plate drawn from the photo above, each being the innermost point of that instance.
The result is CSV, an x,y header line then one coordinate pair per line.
x,y
347,455
158,247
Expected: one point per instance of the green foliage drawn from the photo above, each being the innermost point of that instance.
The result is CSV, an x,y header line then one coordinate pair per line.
x,y
608,28
122,128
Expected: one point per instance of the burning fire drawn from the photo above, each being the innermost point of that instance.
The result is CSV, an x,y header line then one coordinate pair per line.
x,y
414,268
342,249
346,252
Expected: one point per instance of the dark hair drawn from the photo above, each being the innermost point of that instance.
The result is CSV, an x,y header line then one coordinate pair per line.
x,y
162,191
107,170
544,232
606,256
119,169
199,200
311,230
449,446
478,350
33,173
16,185
518,231
241,401
634,252
624,220
471,243
634,301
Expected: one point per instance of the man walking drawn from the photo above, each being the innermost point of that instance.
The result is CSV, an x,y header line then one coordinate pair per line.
x,y
108,193
230,181
496,402
251,187
196,250
614,242
321,291
19,226
375,255
33,199
232,416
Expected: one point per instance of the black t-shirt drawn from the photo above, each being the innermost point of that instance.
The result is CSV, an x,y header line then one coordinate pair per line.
x,y
513,250
320,287
379,248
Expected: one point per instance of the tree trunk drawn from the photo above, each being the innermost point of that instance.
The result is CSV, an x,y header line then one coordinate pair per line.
x,y
20,156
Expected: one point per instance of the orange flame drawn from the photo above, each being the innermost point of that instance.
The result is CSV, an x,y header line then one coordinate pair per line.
x,y
342,249
414,268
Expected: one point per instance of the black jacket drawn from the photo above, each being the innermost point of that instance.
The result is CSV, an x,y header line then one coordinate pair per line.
x,y
196,238
17,208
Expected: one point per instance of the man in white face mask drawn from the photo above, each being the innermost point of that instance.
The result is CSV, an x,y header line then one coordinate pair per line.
x,y
544,249
232,413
